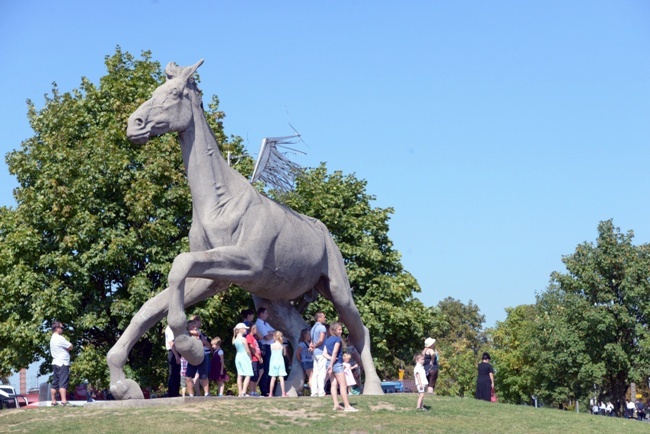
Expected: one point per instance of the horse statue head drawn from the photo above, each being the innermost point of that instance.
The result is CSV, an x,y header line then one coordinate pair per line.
x,y
170,107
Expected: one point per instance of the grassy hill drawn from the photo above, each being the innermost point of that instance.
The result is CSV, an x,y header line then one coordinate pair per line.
x,y
392,413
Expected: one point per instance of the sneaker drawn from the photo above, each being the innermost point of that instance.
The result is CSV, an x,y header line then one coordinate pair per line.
x,y
254,394
351,409
207,394
54,404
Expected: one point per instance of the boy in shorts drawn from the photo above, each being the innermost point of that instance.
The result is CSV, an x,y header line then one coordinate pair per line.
x,y
202,369
420,378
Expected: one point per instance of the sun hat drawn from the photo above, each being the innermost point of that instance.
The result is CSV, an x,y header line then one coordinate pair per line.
x,y
429,341
241,325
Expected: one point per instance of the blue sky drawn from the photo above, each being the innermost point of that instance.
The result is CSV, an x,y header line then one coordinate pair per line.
x,y
501,132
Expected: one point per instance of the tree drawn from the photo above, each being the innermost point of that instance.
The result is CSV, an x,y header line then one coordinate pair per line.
x,y
383,291
595,317
515,353
97,224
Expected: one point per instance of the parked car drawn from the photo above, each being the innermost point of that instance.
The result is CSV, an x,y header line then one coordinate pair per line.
x,y
10,399
392,386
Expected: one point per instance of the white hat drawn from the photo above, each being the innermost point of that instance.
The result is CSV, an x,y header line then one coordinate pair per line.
x,y
241,325
428,342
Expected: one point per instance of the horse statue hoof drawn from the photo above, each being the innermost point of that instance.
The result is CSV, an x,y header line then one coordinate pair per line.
x,y
126,389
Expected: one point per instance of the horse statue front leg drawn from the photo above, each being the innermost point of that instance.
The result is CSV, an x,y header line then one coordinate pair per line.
x,y
149,315
190,348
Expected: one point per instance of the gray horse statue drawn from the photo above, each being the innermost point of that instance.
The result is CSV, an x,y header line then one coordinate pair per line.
x,y
238,236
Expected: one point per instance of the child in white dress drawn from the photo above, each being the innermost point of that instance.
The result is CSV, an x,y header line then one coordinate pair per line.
x,y
347,371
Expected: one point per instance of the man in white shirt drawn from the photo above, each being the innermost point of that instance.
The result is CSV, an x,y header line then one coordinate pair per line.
x,y
174,361
265,338
318,335
60,350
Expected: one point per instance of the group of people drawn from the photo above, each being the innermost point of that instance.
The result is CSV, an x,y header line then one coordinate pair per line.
x,y
260,360
632,410
260,355
425,374
602,408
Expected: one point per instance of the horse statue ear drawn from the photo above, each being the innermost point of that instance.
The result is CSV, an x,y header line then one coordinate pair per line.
x,y
190,70
172,70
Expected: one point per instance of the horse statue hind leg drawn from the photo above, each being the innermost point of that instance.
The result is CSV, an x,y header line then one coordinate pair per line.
x,y
335,287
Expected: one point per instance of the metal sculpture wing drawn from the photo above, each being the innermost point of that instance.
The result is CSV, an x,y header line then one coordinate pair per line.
x,y
273,167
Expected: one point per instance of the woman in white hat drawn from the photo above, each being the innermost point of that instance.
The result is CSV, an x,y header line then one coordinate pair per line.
x,y
430,363
242,359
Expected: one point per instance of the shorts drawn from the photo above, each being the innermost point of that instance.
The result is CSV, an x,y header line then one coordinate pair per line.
x,y
307,366
338,368
60,377
256,372
202,369
421,388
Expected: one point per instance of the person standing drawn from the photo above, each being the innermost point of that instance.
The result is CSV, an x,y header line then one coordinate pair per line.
x,y
265,338
174,362
218,366
319,375
334,347
430,363
421,381
640,410
630,407
242,359
202,370
256,360
304,356
60,350
276,364
485,380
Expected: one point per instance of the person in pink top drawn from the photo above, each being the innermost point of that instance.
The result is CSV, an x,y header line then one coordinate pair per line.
x,y
256,360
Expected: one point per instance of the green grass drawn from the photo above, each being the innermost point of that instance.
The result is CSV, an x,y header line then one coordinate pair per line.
x,y
392,413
